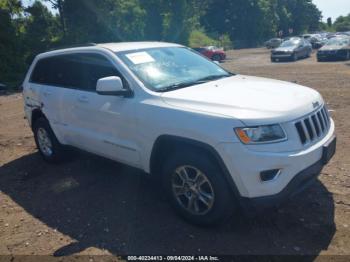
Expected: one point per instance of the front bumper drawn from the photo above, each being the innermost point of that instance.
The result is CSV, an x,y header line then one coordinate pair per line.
x,y
335,55
282,56
298,184
245,166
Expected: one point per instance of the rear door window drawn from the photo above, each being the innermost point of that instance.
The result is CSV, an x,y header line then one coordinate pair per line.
x,y
78,71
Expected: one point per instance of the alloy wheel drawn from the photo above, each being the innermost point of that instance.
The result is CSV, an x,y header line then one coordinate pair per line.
x,y
193,190
44,142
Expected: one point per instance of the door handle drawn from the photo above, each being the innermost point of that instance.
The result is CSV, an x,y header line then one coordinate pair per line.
x,y
83,99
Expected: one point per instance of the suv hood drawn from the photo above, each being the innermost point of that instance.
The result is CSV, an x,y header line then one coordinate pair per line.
x,y
331,47
253,100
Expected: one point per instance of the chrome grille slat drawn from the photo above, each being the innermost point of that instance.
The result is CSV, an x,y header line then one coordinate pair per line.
x,y
319,116
324,117
318,124
305,131
314,126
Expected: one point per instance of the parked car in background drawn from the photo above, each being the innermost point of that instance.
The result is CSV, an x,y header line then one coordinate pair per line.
x,y
273,43
292,49
337,48
317,41
306,36
212,52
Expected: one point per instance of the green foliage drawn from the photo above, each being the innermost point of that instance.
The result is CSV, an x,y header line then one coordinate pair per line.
x,y
103,21
198,39
342,24
10,57
25,32
251,22
40,30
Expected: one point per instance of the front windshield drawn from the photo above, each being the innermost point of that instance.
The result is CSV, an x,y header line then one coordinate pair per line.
x,y
290,43
338,41
169,68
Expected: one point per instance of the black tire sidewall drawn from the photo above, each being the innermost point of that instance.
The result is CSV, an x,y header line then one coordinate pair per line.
x,y
57,149
224,203
216,58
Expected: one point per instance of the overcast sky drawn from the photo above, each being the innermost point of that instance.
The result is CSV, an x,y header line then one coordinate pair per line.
x,y
333,8
329,8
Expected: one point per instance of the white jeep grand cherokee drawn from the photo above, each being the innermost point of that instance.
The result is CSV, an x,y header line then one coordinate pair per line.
x,y
215,139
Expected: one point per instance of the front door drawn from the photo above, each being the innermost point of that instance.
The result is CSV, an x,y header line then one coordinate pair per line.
x,y
104,125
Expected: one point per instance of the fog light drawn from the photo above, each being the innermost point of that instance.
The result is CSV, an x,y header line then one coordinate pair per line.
x,y
269,175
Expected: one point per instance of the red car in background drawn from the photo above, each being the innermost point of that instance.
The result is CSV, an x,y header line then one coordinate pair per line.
x,y
212,52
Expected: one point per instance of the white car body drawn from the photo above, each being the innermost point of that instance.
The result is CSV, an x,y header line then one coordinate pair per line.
x,y
126,129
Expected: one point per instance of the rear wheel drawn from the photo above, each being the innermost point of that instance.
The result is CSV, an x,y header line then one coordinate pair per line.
x,y
197,189
217,58
46,141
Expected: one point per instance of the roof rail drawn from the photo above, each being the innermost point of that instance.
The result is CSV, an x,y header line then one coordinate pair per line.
x,y
72,46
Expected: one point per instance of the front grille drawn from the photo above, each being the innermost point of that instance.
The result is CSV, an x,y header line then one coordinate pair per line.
x,y
314,126
279,53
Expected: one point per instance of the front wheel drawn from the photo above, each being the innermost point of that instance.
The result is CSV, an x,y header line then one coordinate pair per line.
x,y
197,189
294,57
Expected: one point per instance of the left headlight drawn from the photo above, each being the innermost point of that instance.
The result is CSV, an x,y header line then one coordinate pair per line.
x,y
261,134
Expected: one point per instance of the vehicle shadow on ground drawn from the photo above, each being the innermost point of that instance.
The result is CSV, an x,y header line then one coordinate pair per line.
x,y
106,205
289,61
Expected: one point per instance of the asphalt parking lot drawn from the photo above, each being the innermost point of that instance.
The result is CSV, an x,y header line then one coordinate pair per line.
x,y
93,206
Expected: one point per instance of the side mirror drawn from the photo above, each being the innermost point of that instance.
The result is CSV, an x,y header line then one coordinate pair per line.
x,y
112,86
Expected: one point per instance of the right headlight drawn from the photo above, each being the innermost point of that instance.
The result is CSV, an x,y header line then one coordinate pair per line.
x,y
261,134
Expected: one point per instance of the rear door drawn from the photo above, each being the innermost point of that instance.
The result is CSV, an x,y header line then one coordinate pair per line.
x,y
104,125
44,91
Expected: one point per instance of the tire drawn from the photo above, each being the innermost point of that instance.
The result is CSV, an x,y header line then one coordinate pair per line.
x,y
217,58
220,201
347,56
49,147
273,60
295,57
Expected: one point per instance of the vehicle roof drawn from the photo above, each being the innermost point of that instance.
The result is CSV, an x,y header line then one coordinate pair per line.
x,y
114,47
126,46
295,38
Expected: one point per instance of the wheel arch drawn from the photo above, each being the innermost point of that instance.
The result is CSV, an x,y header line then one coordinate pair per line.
x,y
169,143
36,114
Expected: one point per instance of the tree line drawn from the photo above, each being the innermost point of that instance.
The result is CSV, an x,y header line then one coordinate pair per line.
x,y
28,30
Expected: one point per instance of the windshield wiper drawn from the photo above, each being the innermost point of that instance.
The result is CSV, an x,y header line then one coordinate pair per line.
x,y
176,86
187,84
211,78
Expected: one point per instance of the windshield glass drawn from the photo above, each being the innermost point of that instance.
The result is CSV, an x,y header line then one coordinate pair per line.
x,y
290,43
338,41
169,68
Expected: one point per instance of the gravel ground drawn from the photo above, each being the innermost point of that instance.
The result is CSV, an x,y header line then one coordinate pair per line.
x,y
92,206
